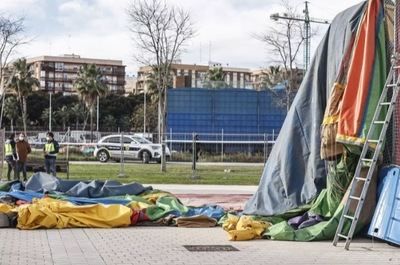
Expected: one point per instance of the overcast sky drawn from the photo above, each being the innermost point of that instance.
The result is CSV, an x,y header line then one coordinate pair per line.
x,y
99,28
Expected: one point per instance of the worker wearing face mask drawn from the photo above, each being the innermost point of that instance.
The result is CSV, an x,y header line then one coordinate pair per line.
x,y
23,149
10,155
51,149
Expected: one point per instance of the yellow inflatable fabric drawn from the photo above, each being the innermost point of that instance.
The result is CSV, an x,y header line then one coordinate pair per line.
x,y
244,228
52,213
5,208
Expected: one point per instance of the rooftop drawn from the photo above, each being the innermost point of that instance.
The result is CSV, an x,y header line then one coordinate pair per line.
x,y
74,58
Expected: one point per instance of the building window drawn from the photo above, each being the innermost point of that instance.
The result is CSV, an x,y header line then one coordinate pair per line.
x,y
60,66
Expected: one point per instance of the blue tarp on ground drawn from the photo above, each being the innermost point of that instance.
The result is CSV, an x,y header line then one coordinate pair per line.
x,y
42,182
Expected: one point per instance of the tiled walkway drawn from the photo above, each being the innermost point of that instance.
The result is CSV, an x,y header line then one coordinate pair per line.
x,y
164,245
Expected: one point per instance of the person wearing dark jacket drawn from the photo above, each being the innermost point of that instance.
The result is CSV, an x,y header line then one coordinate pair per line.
x,y
10,155
50,149
23,149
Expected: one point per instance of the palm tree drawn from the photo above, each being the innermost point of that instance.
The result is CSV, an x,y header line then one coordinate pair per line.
x,y
90,85
23,82
63,114
272,77
216,78
78,113
11,110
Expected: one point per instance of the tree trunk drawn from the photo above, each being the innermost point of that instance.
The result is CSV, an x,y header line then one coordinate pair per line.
x,y
24,113
12,125
91,124
159,116
85,121
164,114
76,123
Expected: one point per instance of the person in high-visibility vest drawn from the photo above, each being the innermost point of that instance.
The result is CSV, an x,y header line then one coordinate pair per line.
x,y
10,155
50,149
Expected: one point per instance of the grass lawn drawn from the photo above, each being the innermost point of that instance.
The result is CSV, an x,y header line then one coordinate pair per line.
x,y
176,173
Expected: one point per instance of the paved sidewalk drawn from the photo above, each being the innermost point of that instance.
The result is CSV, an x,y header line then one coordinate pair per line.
x,y
205,189
164,245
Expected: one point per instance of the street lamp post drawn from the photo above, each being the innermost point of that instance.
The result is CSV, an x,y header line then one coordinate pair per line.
x,y
50,112
97,114
144,111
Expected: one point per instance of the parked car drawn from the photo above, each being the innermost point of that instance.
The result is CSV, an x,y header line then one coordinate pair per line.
x,y
135,147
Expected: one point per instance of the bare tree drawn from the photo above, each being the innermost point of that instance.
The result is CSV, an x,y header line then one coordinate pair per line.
x,y
284,40
11,36
160,32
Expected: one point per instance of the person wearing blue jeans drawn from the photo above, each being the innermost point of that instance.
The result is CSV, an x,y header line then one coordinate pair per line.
x,y
50,149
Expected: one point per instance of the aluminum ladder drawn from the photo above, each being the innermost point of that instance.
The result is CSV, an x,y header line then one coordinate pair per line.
x,y
368,157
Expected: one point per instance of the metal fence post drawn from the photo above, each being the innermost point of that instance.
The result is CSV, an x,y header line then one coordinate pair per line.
x,y
222,145
194,155
122,161
170,143
265,147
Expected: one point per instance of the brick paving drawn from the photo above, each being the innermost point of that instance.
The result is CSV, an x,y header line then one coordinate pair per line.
x,y
164,245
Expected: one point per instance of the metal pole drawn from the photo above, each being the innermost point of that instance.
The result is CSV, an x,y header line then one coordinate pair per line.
x,y
144,113
265,147
170,142
50,111
121,161
98,113
194,156
222,145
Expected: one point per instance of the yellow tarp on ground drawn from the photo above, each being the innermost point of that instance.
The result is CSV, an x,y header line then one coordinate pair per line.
x,y
51,213
5,208
244,228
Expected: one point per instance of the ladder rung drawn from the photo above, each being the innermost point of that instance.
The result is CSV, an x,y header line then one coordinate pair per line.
x,y
386,103
380,122
396,67
391,85
349,217
355,198
363,179
373,141
342,236
367,159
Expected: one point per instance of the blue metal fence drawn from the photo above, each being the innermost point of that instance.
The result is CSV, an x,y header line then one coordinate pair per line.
x,y
229,110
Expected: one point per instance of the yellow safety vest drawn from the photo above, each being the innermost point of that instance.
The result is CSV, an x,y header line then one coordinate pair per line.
x,y
49,147
8,150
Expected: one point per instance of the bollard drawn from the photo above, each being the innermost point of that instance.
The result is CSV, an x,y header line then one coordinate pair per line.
x,y
194,156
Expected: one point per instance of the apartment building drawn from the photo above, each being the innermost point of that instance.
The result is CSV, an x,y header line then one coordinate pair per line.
x,y
57,73
195,76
